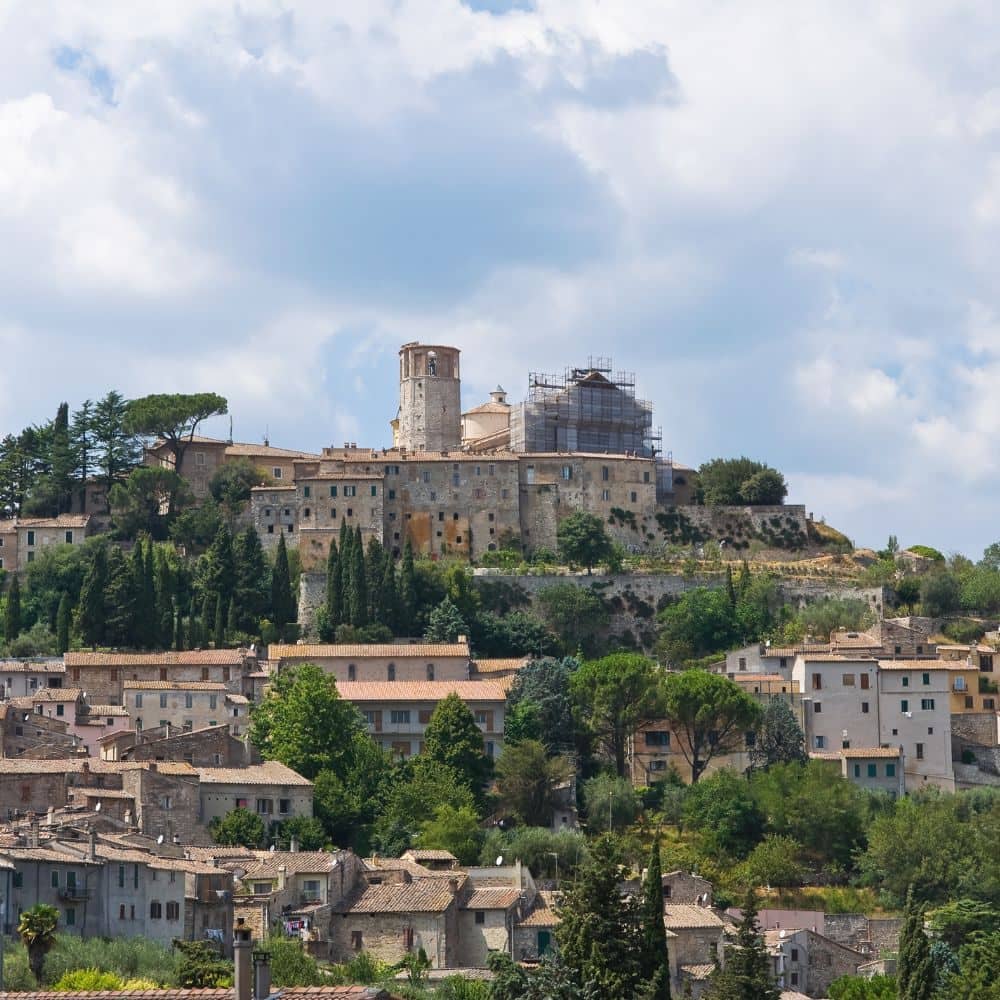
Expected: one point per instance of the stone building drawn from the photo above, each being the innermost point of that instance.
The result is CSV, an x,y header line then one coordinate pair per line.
x,y
22,678
806,961
185,705
430,403
271,790
22,538
424,661
212,746
25,733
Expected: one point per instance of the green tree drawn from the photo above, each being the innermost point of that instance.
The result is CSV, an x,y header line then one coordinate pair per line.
x,y
407,591
940,594
219,631
173,417
445,623
582,540
710,716
723,482
231,484
959,919
699,622
37,929
979,958
747,973
334,593
863,988
62,625
612,696
291,964
545,684
780,739
655,961
358,593
528,781
454,829
119,600
304,723
282,599
307,832
915,970
90,610
217,568
250,584
610,801
598,936
722,809
116,449
238,828
137,503
12,612
775,862
453,738
576,614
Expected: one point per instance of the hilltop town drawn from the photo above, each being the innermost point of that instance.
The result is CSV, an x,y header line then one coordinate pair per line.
x,y
394,718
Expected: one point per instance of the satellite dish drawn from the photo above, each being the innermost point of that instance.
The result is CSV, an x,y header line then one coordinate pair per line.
x,y
271,849
97,808
159,839
499,860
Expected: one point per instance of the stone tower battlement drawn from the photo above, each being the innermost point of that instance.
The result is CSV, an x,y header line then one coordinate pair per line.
x,y
430,399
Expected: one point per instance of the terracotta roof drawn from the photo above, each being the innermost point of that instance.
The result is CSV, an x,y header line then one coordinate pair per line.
x,y
102,793
423,896
412,868
49,694
387,691
835,658
270,773
237,699
50,854
871,752
32,667
824,755
117,710
174,685
265,451
187,657
62,521
297,863
924,665
681,916
21,765
698,972
543,912
490,407
806,647
389,651
490,899
272,489
427,854
495,665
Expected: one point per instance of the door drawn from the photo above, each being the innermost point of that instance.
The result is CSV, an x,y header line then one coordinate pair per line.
x,y
544,942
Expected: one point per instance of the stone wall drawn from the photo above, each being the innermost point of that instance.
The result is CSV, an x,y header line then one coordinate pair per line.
x,y
382,935
861,933
777,527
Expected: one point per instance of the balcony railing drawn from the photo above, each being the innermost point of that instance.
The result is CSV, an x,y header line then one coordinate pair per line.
x,y
73,893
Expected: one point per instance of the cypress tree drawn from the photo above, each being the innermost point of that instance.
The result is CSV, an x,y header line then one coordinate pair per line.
x,y
12,618
387,594
164,599
730,589
220,568
333,584
232,619
178,630
119,599
250,588
91,605
142,609
282,600
747,975
219,633
193,632
62,625
358,594
374,559
655,962
207,620
407,601
916,979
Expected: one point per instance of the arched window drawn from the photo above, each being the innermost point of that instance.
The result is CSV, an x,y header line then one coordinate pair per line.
x,y
391,671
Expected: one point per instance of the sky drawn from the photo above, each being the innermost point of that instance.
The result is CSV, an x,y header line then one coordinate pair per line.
x,y
784,217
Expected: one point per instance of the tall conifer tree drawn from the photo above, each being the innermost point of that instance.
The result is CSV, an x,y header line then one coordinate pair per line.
x,y
62,625
358,593
12,617
282,600
407,603
91,607
333,582
655,961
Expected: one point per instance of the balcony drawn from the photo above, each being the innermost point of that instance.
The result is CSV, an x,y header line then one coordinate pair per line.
x,y
73,894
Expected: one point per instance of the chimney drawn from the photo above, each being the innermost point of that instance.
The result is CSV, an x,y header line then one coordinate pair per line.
x,y
91,844
453,885
261,974
32,830
293,845
282,878
242,960
50,816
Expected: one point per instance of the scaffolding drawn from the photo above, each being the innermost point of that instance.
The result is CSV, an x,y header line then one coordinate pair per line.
x,y
586,409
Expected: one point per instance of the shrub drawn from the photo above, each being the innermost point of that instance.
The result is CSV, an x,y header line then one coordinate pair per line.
x,y
87,979
291,965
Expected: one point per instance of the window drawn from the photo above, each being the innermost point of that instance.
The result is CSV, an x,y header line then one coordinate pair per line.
x,y
820,742
969,701
307,491
424,716
284,806
390,672
173,909
350,491
482,717
399,716
989,703
480,916
333,491
491,470
920,751
566,472
657,739
898,650
350,512
270,529
31,557
605,495
265,807
890,770
307,512
845,745
155,910
199,458
865,680
333,513
430,671
906,680
743,663
817,682
645,476
817,707
455,479
848,680
926,704
291,528
872,770
69,537
352,672
310,888
864,708
276,472
795,978
633,496
925,679
857,770
204,673
163,701
605,473
920,649
189,701
904,706
426,475
121,912
70,916
357,940
54,878
31,538
213,700
392,494
60,709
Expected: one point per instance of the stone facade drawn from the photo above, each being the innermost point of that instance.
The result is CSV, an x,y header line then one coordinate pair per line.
x,y
22,538
214,746
681,887
809,962
271,790
185,705
430,403
386,662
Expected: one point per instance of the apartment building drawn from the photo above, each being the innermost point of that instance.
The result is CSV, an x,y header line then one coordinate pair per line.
x,y
271,790
424,661
23,538
184,706
398,712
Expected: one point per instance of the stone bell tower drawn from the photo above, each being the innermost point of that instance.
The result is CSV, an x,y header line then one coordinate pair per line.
x,y
430,399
